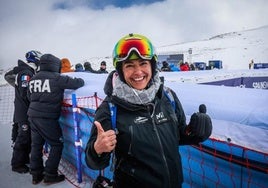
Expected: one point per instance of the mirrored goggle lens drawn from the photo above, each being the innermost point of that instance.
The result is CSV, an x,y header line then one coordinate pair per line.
x,y
142,46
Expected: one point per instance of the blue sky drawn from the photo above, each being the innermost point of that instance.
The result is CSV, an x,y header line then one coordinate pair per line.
x,y
81,29
101,4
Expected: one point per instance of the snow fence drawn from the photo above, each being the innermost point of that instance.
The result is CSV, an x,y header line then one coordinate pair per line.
x,y
236,155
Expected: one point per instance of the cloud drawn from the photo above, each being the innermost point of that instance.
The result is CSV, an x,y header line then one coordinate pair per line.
x,y
83,29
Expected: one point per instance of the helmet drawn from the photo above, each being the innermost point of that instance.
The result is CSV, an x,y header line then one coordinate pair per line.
x,y
132,44
33,56
139,44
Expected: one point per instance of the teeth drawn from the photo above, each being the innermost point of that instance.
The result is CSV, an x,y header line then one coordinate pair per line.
x,y
138,79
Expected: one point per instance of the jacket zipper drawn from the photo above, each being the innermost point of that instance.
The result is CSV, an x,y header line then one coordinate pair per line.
x,y
161,146
131,138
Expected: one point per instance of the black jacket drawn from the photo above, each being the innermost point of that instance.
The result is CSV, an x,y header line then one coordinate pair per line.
x,y
10,77
23,74
147,143
102,71
46,88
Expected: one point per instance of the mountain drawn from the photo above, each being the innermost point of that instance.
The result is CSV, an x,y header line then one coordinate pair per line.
x,y
235,49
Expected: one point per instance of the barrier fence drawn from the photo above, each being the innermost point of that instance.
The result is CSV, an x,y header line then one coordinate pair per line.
x,y
214,163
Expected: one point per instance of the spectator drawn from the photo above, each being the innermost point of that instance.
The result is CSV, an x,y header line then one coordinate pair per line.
x,y
22,147
46,91
103,68
192,67
165,67
184,66
79,67
88,67
251,64
148,128
174,68
10,78
66,65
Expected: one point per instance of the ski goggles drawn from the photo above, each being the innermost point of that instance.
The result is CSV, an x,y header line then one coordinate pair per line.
x,y
133,43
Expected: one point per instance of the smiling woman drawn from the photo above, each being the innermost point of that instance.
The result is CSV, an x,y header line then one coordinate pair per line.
x,y
137,73
149,126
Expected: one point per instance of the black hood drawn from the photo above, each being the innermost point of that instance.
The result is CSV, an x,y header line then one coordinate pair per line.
x,y
21,66
108,86
51,63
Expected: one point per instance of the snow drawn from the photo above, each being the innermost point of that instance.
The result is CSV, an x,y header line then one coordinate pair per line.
x,y
235,49
232,109
237,112
8,178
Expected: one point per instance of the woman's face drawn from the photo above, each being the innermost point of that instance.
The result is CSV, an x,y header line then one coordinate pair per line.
x,y
137,73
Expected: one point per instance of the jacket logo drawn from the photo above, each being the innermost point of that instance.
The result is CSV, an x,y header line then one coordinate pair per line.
x,y
140,120
161,117
39,86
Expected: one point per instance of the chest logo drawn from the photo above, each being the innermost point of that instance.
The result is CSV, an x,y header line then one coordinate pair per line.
x,y
160,117
139,120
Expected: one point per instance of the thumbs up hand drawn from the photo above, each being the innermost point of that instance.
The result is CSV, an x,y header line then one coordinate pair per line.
x,y
106,140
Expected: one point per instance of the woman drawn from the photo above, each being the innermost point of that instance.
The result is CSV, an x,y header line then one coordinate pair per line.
x,y
149,129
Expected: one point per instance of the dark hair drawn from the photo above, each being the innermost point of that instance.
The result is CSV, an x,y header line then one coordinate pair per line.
x,y
103,63
120,71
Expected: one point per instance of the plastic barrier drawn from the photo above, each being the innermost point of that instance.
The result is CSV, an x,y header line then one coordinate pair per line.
x,y
214,163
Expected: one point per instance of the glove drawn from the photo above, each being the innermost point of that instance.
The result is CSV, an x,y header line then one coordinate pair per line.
x,y
200,124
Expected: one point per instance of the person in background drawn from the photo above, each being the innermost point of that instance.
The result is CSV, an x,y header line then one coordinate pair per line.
x,y
148,127
102,68
88,68
79,67
10,78
165,67
251,64
22,147
66,65
192,67
174,68
45,92
184,66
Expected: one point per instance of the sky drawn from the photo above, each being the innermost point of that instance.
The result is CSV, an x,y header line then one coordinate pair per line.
x,y
82,29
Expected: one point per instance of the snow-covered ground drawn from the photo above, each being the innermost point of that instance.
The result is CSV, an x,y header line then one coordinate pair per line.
x,y
9,179
235,111
235,49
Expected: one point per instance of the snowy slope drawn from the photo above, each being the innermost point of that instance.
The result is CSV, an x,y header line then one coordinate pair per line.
x,y
235,49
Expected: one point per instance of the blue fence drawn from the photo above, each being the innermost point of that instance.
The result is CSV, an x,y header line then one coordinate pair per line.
x,y
212,164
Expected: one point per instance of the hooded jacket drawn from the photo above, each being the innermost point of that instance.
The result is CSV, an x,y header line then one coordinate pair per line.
x,y
147,142
46,88
23,74
66,66
88,68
